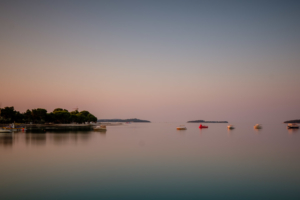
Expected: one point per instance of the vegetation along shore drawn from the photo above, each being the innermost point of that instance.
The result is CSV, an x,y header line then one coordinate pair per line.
x,y
203,121
41,116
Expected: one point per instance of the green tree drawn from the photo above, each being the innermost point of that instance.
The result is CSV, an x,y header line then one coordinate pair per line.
x,y
59,110
86,116
8,114
27,116
18,117
85,113
80,118
50,117
62,116
73,117
39,115
91,118
75,112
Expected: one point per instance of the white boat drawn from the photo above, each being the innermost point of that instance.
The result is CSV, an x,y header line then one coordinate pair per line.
x,y
100,128
290,126
5,130
230,127
181,127
257,126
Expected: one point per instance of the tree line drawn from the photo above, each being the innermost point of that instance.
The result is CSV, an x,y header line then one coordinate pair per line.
x,y
41,116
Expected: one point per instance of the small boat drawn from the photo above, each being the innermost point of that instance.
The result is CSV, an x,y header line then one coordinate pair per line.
x,y
2,130
290,126
201,126
13,128
257,126
181,127
100,128
230,127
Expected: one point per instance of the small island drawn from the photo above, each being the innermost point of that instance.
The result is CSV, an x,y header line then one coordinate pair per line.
x,y
196,121
293,121
42,116
39,120
122,120
203,121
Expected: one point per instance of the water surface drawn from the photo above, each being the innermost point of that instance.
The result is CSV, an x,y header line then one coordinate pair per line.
x,y
153,161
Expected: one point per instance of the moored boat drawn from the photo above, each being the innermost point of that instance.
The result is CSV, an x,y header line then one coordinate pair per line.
x,y
13,128
181,127
201,126
257,126
100,128
293,125
230,127
2,130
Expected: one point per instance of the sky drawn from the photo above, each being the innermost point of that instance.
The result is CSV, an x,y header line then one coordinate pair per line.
x,y
163,61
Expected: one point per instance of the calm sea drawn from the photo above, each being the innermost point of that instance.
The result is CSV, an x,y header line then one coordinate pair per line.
x,y
153,161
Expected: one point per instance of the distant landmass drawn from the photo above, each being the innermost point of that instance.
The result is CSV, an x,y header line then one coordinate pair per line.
x,y
196,121
203,121
122,120
293,121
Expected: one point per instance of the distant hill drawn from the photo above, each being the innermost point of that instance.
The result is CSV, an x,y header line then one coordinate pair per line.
x,y
215,122
196,121
202,121
293,121
122,120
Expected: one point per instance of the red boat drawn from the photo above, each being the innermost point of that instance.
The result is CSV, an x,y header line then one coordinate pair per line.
x,y
203,126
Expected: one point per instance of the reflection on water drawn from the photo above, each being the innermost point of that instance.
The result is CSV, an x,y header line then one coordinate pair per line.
x,y
230,132
258,131
6,139
102,133
35,139
293,130
152,161
57,137
69,136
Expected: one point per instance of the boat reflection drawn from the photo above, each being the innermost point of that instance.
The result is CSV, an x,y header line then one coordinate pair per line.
x,y
101,133
6,139
292,131
257,131
230,132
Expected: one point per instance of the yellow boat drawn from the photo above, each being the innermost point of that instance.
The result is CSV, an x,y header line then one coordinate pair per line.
x,y
230,127
181,127
293,125
257,126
